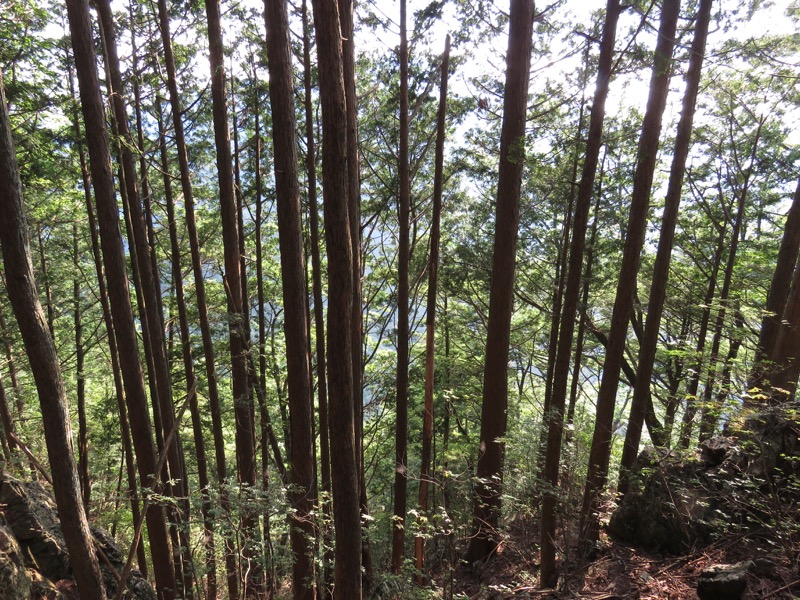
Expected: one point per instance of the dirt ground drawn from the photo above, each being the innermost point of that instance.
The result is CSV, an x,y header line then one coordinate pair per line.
x,y
620,571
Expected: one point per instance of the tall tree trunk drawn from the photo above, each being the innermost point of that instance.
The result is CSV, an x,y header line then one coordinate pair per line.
x,y
150,287
319,312
658,285
287,188
188,366
177,485
231,553
80,393
269,582
786,354
555,425
561,276
486,516
430,312
125,434
776,302
243,410
344,466
119,296
354,210
403,257
574,384
44,364
634,240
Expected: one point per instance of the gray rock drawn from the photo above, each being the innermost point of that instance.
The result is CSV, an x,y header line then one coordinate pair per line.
x,y
723,582
15,582
676,503
30,512
764,567
663,510
31,515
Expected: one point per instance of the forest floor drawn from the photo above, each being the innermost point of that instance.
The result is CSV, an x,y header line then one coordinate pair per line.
x,y
622,572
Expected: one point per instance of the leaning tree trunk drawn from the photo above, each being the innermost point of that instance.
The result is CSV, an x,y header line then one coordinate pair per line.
x,y
658,286
555,418
486,515
344,466
151,302
39,345
188,365
776,302
634,240
119,295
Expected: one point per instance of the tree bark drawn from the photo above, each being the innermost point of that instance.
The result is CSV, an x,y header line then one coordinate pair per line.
x,y
119,296
403,257
634,240
425,478
486,515
303,485
344,466
776,303
21,289
319,312
658,285
555,424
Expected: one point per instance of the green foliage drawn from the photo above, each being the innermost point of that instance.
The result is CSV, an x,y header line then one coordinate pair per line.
x,y
744,144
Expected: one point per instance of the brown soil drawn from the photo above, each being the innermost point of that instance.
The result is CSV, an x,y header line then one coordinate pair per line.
x,y
620,571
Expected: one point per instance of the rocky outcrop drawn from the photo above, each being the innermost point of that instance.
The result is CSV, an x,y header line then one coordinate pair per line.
x,y
36,542
675,502
723,582
14,579
667,507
